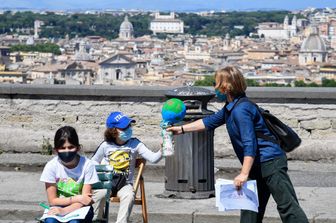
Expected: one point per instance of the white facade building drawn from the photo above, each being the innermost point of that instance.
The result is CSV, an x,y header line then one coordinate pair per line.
x,y
275,30
166,24
117,67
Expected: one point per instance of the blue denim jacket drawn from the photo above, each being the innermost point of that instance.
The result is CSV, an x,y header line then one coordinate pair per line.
x,y
242,121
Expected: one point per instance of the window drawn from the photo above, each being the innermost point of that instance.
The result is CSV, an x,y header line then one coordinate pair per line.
x,y
118,74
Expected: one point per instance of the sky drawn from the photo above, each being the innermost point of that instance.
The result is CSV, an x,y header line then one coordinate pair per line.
x,y
168,5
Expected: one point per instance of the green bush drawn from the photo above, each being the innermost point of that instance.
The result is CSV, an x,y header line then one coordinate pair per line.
x,y
46,147
207,81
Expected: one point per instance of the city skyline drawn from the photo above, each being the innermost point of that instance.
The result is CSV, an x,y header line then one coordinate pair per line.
x,y
167,5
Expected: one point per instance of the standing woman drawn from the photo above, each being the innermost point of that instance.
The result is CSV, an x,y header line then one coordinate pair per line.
x,y
68,177
261,160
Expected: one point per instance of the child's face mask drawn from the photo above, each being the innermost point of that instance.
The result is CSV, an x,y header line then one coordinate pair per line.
x,y
68,156
67,152
126,134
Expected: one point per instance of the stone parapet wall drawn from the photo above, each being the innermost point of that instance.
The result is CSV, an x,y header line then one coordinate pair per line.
x,y
30,115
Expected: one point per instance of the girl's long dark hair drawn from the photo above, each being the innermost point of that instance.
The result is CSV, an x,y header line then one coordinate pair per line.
x,y
66,133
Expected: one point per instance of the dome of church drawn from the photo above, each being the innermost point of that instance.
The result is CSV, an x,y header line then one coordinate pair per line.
x,y
126,25
313,43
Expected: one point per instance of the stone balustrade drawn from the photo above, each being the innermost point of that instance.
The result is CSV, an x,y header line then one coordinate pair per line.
x,y
30,115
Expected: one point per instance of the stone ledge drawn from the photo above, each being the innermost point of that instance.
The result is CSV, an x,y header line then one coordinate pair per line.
x,y
157,93
314,201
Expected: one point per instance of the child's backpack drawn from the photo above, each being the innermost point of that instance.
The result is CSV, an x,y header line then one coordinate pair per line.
x,y
118,181
285,136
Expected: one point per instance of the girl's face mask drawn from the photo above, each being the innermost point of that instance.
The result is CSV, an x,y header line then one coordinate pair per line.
x,y
67,156
126,134
67,152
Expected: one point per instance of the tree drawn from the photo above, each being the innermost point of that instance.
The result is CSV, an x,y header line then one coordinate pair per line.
x,y
274,85
252,83
207,81
328,83
313,84
299,84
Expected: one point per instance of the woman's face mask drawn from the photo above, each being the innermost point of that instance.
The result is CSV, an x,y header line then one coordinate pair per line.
x,y
126,134
221,96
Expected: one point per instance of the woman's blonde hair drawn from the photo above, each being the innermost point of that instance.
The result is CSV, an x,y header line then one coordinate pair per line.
x,y
232,80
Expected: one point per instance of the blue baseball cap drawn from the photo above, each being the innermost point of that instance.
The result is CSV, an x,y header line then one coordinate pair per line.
x,y
118,120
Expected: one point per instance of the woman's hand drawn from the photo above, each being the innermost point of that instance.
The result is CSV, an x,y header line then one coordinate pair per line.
x,y
244,173
240,180
176,130
56,211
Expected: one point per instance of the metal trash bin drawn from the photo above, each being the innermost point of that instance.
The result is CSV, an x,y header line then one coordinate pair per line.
x,y
189,173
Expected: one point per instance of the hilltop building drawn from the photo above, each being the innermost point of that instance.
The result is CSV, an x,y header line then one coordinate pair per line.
x,y
166,24
37,28
276,30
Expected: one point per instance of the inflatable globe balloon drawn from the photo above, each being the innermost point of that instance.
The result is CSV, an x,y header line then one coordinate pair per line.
x,y
173,111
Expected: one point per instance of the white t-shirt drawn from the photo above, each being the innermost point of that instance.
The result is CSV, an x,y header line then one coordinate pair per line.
x,y
131,149
69,182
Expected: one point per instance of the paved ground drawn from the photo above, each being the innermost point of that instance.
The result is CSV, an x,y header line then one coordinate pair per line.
x,y
20,192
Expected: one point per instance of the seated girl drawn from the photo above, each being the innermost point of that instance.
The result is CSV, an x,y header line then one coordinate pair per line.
x,y
68,178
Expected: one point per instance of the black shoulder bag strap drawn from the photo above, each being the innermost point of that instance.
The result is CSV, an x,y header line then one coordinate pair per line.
x,y
97,148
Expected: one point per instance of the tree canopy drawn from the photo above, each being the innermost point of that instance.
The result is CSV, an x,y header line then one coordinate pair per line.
x,y
107,25
46,48
209,80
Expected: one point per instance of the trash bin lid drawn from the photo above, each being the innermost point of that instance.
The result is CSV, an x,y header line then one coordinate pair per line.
x,y
195,98
191,93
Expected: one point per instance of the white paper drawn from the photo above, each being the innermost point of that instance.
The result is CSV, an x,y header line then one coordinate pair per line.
x,y
229,198
77,214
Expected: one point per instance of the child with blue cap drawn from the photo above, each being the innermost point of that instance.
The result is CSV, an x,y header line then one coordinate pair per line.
x,y
120,150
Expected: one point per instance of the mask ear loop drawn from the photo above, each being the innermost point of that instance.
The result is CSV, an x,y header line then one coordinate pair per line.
x,y
80,149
